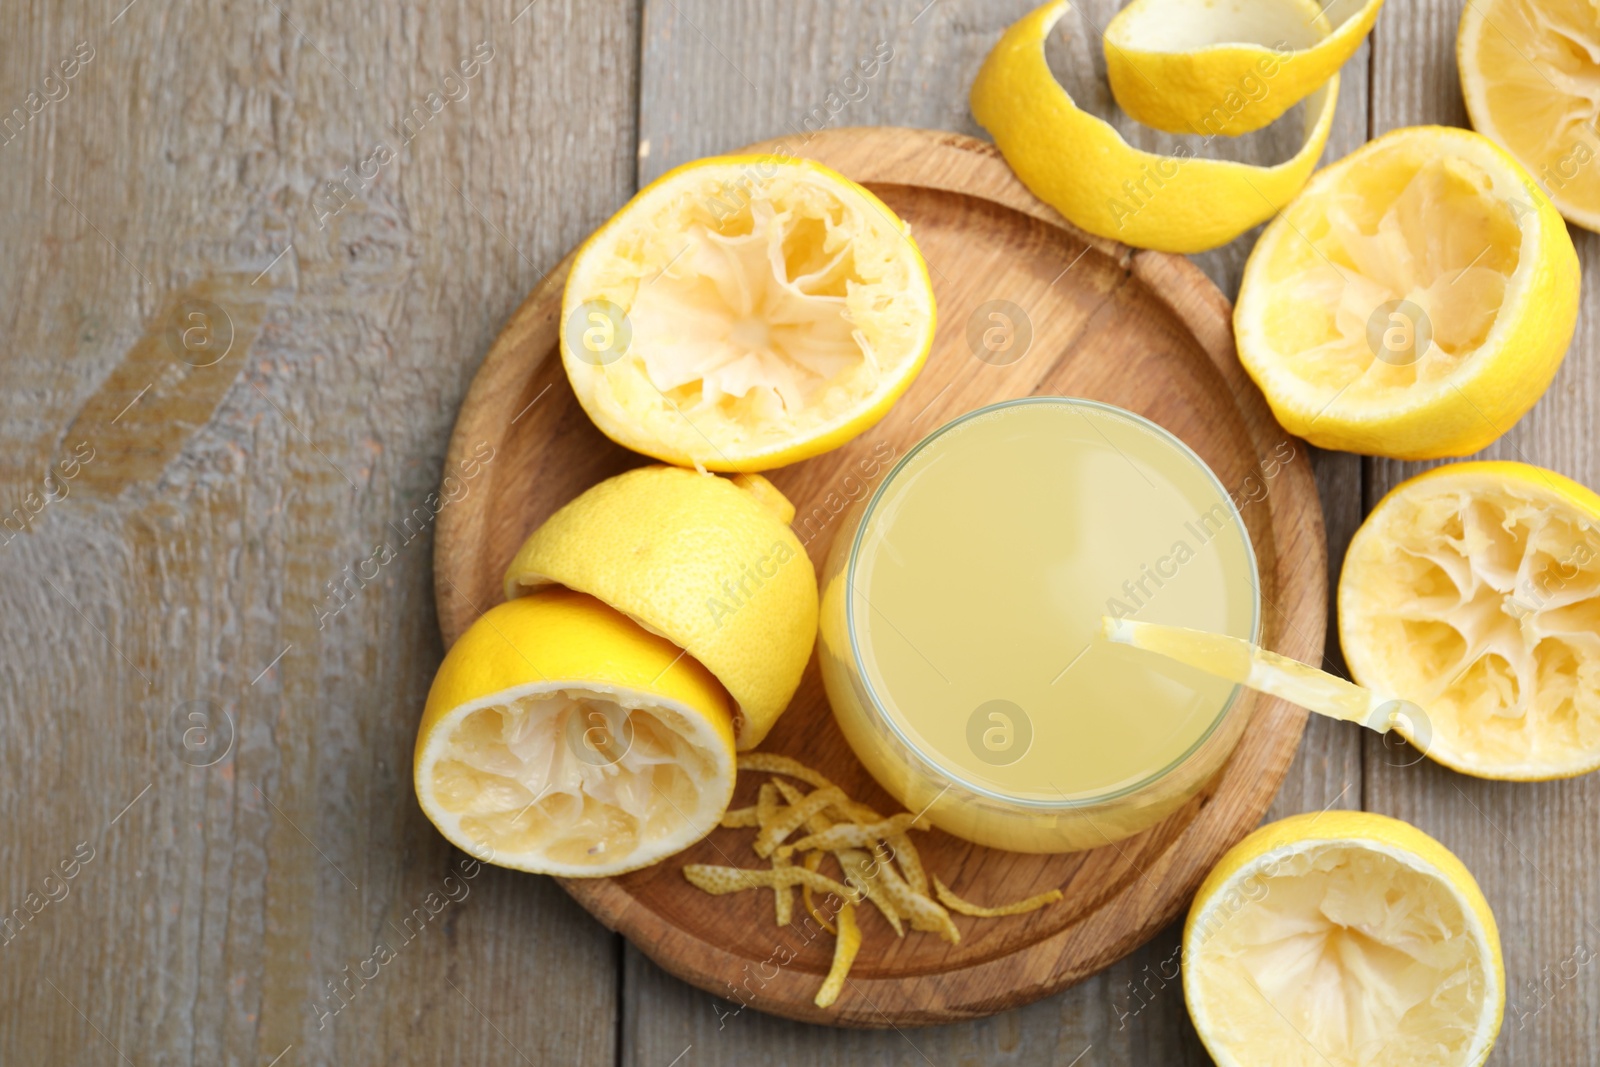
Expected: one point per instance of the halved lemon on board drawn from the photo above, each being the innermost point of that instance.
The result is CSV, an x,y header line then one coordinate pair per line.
x,y
1473,590
745,312
1414,301
708,562
1530,74
1344,939
562,738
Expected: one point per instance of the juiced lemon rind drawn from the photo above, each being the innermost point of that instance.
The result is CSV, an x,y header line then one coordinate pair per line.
x,y
1473,590
1364,903
701,559
1526,72
1429,218
768,309
561,738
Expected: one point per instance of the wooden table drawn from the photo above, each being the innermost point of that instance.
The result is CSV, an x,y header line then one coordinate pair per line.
x,y
253,252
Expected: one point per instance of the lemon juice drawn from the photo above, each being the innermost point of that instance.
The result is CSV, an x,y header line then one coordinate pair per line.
x,y
962,640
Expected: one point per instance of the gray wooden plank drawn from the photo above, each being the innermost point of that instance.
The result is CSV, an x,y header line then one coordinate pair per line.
x,y
716,75
1527,844
194,558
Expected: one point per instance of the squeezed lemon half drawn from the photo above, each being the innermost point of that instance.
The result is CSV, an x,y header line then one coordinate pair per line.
x,y
745,312
1344,939
1530,74
560,737
1473,590
706,561
1414,301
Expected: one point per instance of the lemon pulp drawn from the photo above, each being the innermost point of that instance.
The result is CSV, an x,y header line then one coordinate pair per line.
x,y
582,775
561,737
1413,302
1474,590
1352,957
1343,939
1435,236
765,309
1530,74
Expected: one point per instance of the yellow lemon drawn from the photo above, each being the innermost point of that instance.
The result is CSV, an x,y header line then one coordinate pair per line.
x,y
1528,74
1081,166
1414,301
1473,591
708,562
562,738
1343,939
745,312
1230,66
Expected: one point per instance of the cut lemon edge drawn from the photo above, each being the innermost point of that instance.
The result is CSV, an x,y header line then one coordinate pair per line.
x,y
1081,166
1474,504
1227,68
879,331
1349,853
560,737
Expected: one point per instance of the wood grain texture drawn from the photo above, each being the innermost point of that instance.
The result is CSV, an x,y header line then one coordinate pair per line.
x,y
190,158
192,142
1141,330
1529,845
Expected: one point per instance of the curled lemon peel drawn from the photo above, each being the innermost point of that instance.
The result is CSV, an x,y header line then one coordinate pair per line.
x,y
1231,67
966,907
844,954
1081,166
874,855
813,862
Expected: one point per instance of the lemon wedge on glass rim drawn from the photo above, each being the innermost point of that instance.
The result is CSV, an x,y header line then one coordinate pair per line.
x,y
562,738
1343,939
1473,590
1081,166
1528,74
1414,301
745,312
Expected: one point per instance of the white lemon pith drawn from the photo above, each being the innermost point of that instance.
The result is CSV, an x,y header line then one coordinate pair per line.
x,y
1344,939
559,737
1414,301
706,561
1473,590
773,309
1530,74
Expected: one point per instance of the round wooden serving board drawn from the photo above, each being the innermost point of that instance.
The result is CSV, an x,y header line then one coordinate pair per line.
x,y
1143,330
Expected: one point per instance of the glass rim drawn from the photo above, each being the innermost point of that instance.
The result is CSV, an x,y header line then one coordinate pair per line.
x,y
875,703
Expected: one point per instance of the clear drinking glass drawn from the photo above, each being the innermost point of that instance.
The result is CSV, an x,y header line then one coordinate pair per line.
x,y
961,607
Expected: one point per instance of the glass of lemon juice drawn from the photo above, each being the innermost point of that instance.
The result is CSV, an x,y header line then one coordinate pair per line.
x,y
961,625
